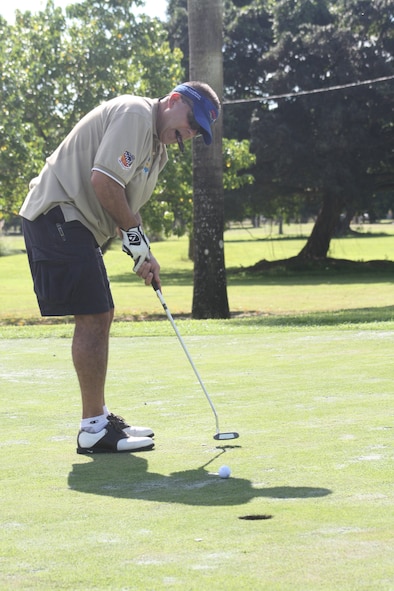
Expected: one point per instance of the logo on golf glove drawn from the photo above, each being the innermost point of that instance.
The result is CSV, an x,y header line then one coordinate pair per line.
x,y
134,237
136,245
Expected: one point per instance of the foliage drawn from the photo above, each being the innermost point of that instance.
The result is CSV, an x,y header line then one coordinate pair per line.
x,y
247,35
56,68
29,119
173,196
178,29
237,160
115,53
171,211
342,140
330,147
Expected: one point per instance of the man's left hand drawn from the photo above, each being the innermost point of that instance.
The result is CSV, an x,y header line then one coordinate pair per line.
x,y
136,245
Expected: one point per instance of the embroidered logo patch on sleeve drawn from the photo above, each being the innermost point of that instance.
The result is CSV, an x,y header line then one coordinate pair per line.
x,y
126,160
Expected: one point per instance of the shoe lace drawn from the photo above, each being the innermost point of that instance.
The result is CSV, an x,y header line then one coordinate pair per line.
x,y
114,421
118,418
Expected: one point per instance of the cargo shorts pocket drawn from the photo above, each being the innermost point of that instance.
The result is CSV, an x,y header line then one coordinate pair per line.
x,y
55,281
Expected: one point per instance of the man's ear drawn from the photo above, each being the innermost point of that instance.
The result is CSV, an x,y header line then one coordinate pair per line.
x,y
174,98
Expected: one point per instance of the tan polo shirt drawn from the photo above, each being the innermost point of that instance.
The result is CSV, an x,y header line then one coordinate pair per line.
x,y
117,138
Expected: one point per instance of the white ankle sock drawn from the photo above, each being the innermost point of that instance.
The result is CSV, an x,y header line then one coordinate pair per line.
x,y
94,424
105,410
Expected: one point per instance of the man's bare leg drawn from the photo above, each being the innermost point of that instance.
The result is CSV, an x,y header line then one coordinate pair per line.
x,y
90,356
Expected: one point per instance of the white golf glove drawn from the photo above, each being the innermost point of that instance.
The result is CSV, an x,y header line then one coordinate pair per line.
x,y
136,244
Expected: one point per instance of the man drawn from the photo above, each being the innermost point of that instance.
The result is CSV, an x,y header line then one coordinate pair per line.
x,y
92,186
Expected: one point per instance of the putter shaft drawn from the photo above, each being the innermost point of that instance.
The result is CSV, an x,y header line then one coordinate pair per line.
x,y
230,435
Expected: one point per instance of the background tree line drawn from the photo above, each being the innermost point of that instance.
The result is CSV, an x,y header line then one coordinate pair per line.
x,y
327,155
56,67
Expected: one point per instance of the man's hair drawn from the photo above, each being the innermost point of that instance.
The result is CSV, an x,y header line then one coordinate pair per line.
x,y
204,89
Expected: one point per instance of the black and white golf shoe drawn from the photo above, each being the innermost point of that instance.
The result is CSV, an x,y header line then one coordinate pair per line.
x,y
111,439
131,430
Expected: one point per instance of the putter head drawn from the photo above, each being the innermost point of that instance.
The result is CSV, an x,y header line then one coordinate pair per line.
x,y
223,436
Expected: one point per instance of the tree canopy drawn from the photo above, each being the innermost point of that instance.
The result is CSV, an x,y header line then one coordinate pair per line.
x,y
57,67
325,150
320,153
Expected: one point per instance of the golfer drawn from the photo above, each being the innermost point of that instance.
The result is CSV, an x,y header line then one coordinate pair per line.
x,y
91,189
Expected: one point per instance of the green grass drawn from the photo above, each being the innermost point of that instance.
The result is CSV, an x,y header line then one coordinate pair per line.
x,y
372,241
303,370
313,408
263,294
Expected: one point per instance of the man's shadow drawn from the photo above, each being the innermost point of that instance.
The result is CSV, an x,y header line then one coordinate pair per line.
x,y
126,476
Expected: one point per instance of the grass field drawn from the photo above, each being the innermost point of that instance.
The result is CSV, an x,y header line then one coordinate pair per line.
x,y
271,295
303,371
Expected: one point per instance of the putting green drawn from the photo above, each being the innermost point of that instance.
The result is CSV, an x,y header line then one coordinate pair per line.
x,y
313,406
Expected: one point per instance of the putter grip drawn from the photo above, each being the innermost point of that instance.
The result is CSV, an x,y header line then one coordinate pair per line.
x,y
154,285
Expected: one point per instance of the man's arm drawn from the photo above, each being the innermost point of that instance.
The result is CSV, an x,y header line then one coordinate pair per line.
x,y
112,198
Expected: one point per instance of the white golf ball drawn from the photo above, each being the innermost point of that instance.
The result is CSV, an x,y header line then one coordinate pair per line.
x,y
224,471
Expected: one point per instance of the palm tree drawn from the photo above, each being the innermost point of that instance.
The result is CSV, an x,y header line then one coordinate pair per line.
x,y
205,18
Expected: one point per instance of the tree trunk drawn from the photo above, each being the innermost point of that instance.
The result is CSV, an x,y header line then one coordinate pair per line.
x,y
190,252
343,228
326,224
206,64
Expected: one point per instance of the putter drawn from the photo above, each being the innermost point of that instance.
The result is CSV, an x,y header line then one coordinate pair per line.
x,y
218,436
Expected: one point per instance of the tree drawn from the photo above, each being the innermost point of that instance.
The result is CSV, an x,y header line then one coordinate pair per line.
x,y
237,180
30,120
247,34
55,69
210,290
171,210
331,147
109,51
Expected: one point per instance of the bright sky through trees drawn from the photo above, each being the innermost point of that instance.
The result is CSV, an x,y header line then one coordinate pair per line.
x,y
7,9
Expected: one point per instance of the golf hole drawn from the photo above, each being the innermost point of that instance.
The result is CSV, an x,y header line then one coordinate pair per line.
x,y
255,517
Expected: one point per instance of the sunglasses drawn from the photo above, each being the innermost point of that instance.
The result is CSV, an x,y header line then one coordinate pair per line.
x,y
190,118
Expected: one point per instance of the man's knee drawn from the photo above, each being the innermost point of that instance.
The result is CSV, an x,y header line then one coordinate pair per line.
x,y
94,323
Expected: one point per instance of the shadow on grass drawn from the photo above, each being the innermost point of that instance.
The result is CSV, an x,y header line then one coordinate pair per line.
x,y
168,277
271,237
250,319
332,318
292,271
276,275
126,476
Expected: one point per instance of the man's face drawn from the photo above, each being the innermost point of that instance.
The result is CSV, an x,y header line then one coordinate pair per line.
x,y
178,120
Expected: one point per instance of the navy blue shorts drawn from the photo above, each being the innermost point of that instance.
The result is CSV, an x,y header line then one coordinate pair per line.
x,y
67,267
